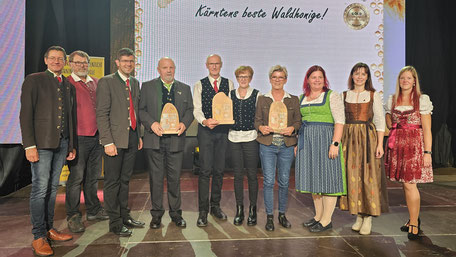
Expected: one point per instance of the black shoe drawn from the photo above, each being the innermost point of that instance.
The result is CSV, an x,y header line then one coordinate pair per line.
x,y
155,223
252,219
269,223
405,228
310,223
101,215
218,213
75,224
180,222
411,235
124,231
202,219
319,228
239,218
130,222
283,220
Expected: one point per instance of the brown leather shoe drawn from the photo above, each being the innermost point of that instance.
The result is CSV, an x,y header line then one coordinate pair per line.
x,y
57,236
41,247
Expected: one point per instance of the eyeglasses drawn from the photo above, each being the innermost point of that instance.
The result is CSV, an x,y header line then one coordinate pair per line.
x,y
81,63
127,61
243,77
277,78
214,64
53,59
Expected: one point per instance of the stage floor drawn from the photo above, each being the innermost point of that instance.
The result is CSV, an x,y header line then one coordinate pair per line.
x,y
222,238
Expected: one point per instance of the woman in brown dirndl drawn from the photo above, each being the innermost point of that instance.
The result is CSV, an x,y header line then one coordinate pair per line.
x,y
362,143
408,158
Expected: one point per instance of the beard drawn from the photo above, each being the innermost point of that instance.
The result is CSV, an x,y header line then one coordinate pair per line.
x,y
169,78
82,73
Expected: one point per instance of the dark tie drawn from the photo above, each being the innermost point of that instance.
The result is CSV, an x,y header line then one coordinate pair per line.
x,y
132,108
215,86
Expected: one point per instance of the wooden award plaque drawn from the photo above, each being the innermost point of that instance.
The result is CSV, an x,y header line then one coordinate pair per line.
x,y
169,120
222,109
278,116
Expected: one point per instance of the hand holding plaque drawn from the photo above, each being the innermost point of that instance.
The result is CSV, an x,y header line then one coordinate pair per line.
x,y
278,116
222,109
169,120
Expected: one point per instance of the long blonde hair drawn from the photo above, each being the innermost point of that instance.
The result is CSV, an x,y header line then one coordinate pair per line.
x,y
416,90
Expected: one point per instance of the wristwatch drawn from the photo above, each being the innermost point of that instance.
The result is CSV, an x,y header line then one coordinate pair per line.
x,y
334,143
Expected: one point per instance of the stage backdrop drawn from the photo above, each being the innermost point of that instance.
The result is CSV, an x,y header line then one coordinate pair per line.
x,y
334,34
261,33
12,49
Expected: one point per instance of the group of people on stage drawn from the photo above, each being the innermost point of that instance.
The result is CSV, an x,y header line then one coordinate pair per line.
x,y
335,140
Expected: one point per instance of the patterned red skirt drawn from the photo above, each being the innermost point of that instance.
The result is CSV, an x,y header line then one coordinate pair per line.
x,y
404,161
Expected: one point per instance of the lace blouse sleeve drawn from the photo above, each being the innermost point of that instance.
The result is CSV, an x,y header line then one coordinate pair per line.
x,y
337,108
388,105
379,117
426,106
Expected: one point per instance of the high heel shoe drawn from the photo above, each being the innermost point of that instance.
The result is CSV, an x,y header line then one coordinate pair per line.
x,y
405,228
411,235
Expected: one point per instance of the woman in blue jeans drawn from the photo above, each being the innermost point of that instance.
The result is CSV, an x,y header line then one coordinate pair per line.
x,y
276,149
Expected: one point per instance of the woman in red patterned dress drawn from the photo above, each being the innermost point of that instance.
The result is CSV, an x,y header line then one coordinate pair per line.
x,y
408,159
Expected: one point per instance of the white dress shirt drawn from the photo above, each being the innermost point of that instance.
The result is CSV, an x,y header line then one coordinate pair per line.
x,y
197,104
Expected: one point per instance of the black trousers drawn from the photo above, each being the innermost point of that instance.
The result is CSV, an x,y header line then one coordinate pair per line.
x,y
245,158
84,170
163,162
117,173
212,145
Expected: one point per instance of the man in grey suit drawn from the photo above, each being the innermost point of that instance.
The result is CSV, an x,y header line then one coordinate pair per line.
x,y
118,126
164,152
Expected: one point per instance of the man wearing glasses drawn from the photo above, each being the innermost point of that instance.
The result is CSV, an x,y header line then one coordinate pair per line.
x,y
86,167
212,140
48,126
118,125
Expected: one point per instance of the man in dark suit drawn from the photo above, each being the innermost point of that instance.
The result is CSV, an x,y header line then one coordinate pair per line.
x,y
48,125
164,152
212,140
118,125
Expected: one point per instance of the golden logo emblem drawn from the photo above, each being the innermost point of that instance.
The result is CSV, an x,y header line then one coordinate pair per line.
x,y
356,16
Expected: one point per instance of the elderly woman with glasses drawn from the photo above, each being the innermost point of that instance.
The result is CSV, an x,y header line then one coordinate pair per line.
x,y
243,144
276,148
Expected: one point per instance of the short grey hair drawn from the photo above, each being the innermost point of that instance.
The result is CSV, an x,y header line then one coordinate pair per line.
x,y
279,69
211,55
79,53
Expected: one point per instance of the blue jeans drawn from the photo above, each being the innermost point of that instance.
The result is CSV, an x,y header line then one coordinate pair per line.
x,y
272,158
45,181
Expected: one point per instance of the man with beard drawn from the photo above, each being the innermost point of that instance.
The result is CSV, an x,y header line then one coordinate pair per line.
x,y
86,168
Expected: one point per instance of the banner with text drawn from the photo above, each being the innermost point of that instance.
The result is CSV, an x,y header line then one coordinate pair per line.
x,y
297,34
